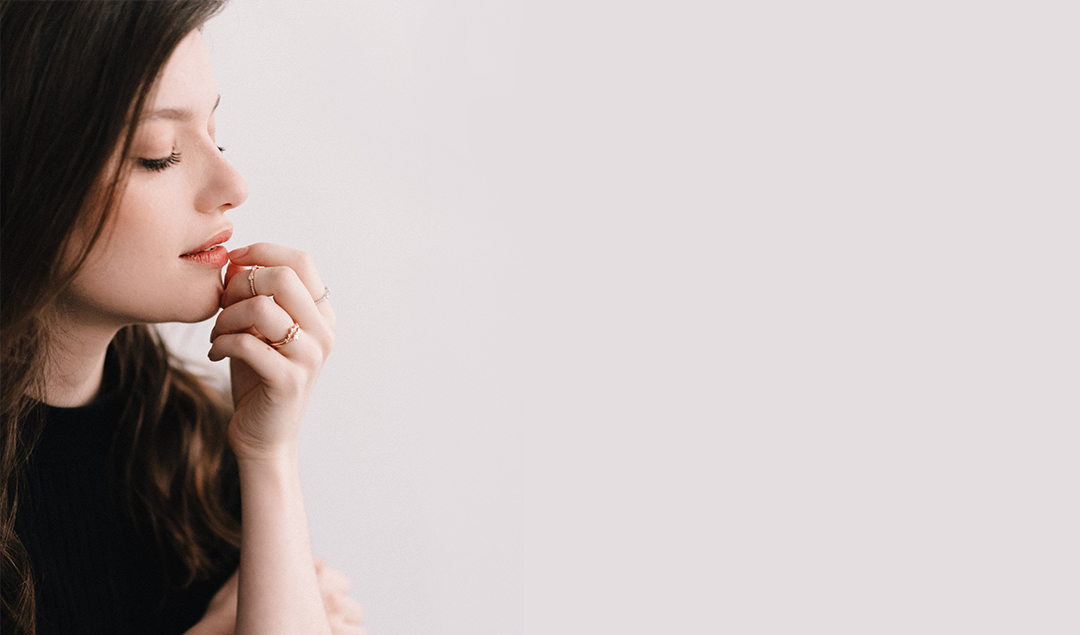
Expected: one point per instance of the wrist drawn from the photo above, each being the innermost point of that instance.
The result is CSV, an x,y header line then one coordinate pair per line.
x,y
268,472
266,466
262,458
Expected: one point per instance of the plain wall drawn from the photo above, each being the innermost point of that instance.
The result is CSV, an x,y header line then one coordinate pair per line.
x,y
350,123
768,310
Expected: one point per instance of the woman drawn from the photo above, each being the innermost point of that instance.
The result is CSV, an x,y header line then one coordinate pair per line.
x,y
122,472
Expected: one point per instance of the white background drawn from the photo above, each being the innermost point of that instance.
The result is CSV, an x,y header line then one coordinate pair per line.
x,y
681,317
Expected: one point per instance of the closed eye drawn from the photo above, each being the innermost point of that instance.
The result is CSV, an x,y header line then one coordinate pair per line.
x,y
158,165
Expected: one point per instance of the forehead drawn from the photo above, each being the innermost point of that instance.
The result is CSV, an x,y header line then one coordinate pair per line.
x,y
186,83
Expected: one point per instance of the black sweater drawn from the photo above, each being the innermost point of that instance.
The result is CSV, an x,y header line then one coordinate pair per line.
x,y
93,573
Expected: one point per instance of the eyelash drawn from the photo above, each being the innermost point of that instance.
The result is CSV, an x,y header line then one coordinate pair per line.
x,y
157,165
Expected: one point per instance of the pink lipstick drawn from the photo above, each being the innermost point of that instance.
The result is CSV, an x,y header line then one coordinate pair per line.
x,y
215,257
211,253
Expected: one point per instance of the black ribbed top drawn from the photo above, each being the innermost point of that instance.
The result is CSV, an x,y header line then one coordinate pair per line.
x,y
92,571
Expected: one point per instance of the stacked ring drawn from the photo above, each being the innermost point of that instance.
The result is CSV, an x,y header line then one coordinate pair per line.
x,y
294,332
325,295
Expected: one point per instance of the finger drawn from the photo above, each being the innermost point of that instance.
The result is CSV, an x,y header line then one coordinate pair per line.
x,y
271,255
236,277
338,627
260,313
240,282
351,611
235,283
231,270
319,563
334,581
264,360
268,254
288,290
323,304
237,287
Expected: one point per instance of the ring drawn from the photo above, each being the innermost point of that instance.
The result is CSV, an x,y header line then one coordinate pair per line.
x,y
294,332
251,279
325,295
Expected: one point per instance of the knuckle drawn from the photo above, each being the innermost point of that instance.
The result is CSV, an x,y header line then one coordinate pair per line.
x,y
298,378
285,276
248,343
263,305
274,275
304,261
333,603
312,359
288,389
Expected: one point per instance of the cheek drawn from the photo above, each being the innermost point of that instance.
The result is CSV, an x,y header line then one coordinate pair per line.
x,y
137,241
134,271
129,242
144,224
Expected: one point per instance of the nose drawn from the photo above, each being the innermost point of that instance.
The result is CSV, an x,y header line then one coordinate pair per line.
x,y
223,187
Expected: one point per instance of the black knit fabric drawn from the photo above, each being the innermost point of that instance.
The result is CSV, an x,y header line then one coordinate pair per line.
x,y
93,573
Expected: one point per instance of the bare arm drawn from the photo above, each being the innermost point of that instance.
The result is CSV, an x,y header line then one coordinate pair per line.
x,y
275,559
346,617
278,588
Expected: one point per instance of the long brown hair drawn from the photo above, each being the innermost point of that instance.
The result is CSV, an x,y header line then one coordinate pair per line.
x,y
73,78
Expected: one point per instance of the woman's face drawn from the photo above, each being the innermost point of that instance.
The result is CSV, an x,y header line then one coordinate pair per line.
x,y
147,265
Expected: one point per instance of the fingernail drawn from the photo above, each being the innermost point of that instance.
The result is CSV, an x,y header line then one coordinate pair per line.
x,y
237,253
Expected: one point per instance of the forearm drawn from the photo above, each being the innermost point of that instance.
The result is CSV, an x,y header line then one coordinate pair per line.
x,y
279,591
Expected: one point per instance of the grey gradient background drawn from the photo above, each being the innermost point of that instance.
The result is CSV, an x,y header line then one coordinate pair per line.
x,y
683,317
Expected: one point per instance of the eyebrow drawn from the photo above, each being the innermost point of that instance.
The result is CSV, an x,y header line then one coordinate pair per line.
x,y
179,114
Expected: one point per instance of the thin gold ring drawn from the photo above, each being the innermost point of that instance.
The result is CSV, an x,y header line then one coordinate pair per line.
x,y
251,279
325,295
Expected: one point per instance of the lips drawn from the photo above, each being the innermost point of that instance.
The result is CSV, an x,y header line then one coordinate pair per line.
x,y
212,242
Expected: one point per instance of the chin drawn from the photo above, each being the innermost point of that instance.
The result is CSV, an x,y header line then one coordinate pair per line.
x,y
201,309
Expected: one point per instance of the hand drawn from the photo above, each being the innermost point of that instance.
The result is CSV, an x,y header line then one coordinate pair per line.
x,y
271,386
344,613
220,615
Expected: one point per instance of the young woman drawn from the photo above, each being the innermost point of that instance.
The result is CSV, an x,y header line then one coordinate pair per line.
x,y
123,473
